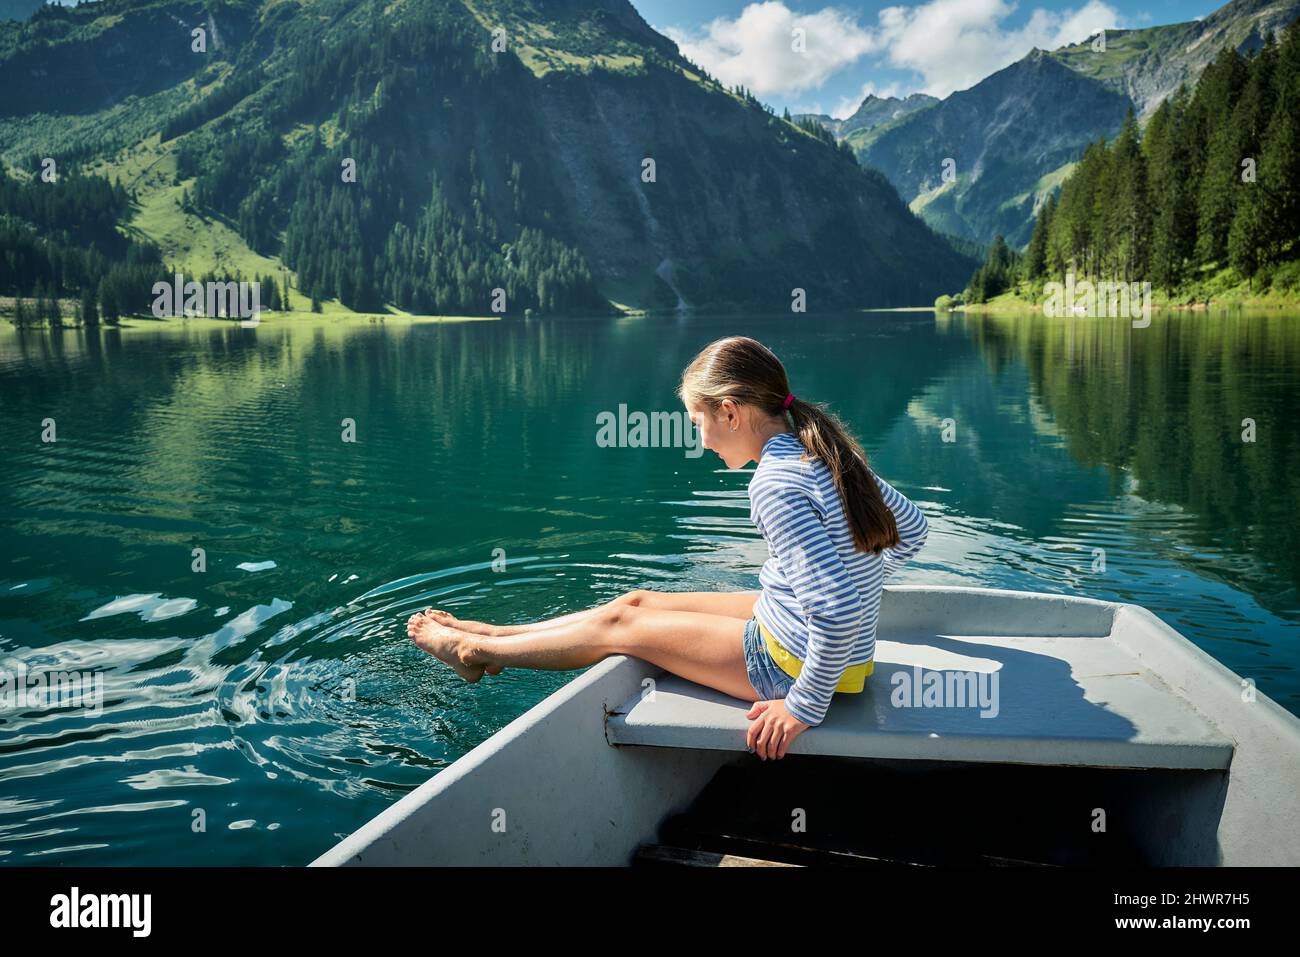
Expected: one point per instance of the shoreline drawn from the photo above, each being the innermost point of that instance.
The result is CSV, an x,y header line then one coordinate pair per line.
x,y
1020,307
1007,304
1013,302
137,323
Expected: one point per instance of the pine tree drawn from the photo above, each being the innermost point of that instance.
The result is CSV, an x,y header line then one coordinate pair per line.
x,y
40,309
1246,234
1278,174
1279,171
996,274
89,313
1219,189
1036,253
1169,164
1211,107
108,302
1258,99
1126,209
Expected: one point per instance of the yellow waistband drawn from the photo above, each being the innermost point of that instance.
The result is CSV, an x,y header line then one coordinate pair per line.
x,y
851,681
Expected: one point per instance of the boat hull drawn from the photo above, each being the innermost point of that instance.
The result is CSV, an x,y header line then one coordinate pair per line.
x,y
577,781
547,789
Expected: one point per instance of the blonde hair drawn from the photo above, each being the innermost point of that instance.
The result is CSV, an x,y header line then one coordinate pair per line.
x,y
747,372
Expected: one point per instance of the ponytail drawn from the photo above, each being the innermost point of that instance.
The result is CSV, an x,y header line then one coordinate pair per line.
x,y
748,373
824,437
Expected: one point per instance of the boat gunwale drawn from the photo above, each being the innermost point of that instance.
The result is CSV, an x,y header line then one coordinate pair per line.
x,y
1172,658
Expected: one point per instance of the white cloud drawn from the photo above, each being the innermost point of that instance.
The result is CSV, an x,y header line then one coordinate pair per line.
x,y
953,44
950,44
754,49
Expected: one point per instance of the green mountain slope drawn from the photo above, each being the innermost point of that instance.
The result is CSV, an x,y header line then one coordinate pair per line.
x,y
1149,65
1012,134
475,170
1002,135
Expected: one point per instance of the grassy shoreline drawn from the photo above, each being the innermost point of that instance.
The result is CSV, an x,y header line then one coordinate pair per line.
x,y
1020,300
1015,303
267,318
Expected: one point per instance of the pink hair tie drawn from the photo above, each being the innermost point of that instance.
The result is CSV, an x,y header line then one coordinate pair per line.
x,y
788,399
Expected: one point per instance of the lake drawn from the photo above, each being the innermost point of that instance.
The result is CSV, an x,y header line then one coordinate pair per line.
x,y
260,698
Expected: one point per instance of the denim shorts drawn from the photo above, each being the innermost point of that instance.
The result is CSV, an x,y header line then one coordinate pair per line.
x,y
764,674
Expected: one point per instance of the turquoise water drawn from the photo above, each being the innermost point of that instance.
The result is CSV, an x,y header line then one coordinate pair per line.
x,y
280,702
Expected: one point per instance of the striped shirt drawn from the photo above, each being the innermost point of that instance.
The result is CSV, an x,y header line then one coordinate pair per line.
x,y
820,599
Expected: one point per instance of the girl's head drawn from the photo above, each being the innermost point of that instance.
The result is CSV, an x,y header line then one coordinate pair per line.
x,y
734,391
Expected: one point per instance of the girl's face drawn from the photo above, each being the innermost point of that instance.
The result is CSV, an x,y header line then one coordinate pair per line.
x,y
717,436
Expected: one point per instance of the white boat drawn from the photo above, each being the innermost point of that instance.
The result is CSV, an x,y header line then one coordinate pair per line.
x,y
1111,739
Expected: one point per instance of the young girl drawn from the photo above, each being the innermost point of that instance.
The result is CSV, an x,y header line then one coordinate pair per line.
x,y
833,527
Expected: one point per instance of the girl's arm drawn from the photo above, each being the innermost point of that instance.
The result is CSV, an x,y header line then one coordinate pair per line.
x,y
827,594
913,529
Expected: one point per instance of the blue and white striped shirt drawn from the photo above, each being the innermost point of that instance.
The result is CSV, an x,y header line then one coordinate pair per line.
x,y
821,599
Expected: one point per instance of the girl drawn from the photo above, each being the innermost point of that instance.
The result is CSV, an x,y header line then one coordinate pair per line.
x,y
832,526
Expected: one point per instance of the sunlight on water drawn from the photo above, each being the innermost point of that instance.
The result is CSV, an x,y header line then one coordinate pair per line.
x,y
274,694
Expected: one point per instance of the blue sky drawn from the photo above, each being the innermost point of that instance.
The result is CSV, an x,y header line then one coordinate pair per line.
x,y
893,48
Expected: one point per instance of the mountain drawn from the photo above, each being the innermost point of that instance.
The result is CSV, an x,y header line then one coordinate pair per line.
x,y
1149,65
587,162
1004,135
18,9
1014,136
872,112
1169,205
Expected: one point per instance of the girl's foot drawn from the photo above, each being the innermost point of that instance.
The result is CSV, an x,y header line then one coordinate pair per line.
x,y
446,644
451,621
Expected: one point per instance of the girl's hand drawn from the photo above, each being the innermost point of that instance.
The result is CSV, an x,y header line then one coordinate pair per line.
x,y
773,730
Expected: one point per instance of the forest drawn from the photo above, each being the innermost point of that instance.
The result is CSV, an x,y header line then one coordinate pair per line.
x,y
1208,189
425,237
65,242
431,237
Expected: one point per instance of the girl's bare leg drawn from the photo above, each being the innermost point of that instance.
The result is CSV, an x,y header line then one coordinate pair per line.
x,y
731,604
704,648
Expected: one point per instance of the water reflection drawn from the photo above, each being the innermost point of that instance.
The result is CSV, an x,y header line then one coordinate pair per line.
x,y
275,692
